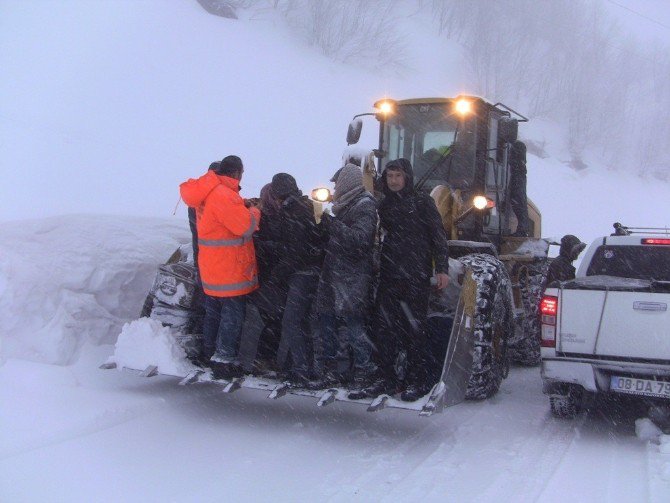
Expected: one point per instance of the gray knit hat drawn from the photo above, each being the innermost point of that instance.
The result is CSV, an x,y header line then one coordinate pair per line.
x,y
349,178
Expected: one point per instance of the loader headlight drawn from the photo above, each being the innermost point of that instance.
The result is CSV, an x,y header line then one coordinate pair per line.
x,y
322,194
463,106
480,202
483,202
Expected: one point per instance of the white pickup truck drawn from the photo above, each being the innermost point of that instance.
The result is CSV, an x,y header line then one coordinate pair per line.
x,y
608,330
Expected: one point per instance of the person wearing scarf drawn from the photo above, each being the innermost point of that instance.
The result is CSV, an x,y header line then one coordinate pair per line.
x,y
344,292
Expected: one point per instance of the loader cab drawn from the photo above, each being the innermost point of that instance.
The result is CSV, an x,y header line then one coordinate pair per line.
x,y
462,142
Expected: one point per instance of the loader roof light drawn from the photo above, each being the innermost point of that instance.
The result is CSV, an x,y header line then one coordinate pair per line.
x,y
656,241
463,106
386,107
482,202
322,195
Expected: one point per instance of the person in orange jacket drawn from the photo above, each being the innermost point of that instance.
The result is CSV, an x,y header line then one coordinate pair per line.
x,y
226,259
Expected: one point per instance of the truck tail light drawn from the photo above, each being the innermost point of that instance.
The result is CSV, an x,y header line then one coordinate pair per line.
x,y
655,241
548,312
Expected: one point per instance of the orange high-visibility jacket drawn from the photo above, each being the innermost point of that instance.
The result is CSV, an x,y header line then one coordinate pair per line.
x,y
226,256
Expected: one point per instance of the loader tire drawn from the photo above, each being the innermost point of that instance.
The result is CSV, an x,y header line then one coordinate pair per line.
x,y
532,280
492,325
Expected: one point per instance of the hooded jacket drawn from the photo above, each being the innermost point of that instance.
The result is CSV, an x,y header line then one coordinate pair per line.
x,y
414,239
226,258
561,268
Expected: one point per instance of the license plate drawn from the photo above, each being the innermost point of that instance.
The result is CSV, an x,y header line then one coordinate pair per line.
x,y
635,386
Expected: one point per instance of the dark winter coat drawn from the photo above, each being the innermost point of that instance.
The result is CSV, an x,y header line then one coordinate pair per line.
x,y
346,277
414,238
291,242
268,236
561,268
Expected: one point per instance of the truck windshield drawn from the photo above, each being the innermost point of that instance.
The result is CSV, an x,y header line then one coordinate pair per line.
x,y
426,135
640,262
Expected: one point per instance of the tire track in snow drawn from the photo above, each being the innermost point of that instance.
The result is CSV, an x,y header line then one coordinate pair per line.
x,y
535,461
393,464
104,420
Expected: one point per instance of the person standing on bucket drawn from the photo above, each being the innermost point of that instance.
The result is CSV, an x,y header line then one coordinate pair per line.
x,y
344,291
226,259
414,246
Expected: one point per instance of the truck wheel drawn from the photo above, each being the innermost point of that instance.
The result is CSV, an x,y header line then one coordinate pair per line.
x,y
531,281
566,401
492,324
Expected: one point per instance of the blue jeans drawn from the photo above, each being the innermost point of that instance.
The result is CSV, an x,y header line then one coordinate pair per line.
x,y
222,328
354,335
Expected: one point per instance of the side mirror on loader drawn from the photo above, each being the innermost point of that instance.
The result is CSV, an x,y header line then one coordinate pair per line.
x,y
354,131
508,129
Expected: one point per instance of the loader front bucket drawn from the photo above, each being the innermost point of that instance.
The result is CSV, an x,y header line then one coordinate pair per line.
x,y
457,368
449,390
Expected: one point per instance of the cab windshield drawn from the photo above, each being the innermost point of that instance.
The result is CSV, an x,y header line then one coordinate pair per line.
x,y
429,136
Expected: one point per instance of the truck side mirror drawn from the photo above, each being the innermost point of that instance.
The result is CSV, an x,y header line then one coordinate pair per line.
x,y
508,129
354,131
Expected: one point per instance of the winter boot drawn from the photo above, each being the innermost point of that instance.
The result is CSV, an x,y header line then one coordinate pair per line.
x,y
226,371
201,360
371,388
299,378
414,391
324,381
264,368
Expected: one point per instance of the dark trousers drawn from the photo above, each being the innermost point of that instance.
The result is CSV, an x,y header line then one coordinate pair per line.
x,y
296,322
337,332
439,332
222,327
400,325
270,300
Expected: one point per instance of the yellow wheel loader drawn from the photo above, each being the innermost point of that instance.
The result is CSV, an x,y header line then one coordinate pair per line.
x,y
460,150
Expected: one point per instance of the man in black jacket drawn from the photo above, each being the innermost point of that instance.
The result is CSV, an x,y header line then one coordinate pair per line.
x,y
414,244
297,249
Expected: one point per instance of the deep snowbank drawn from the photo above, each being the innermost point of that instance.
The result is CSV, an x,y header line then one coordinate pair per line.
x,y
65,281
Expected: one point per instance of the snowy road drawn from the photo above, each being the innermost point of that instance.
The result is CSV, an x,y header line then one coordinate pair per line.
x,y
106,434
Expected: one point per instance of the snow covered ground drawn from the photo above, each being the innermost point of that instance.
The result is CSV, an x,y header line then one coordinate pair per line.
x,y
80,434
77,433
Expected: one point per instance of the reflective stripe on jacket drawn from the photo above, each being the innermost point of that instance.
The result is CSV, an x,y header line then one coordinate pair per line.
x,y
226,258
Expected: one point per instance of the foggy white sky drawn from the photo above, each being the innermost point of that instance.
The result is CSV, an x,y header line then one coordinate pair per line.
x,y
648,19
106,106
